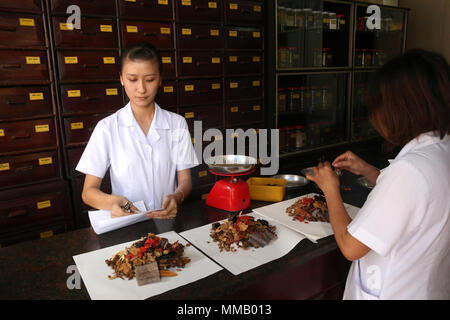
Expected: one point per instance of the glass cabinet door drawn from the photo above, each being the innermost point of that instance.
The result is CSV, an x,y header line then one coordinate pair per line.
x,y
312,34
311,110
378,39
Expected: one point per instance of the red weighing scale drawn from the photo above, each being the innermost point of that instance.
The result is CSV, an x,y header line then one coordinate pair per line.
x,y
232,193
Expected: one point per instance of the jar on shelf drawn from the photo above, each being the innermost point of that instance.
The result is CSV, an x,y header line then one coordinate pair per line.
x,y
327,97
293,99
296,57
327,57
284,57
333,20
299,18
309,18
313,134
325,20
318,57
379,57
387,24
282,15
367,57
316,99
290,17
340,21
300,137
318,19
326,133
281,100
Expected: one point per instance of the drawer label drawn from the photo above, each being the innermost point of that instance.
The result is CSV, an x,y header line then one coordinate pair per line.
x,y
234,6
112,92
232,33
26,22
256,59
189,87
234,109
105,28
42,128
109,60
256,108
212,5
70,60
186,31
187,59
203,173
168,89
234,85
44,204
215,60
4,166
233,59
256,83
185,2
214,32
44,161
257,8
189,115
65,26
166,59
46,234
165,30
256,34
36,96
163,2
76,125
33,60
2,132
73,93
215,86
132,29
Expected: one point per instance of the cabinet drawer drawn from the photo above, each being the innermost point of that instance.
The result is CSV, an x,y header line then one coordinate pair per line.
x,y
18,65
28,206
201,176
79,129
243,112
168,63
192,64
200,91
20,135
77,187
24,5
199,10
243,38
146,9
42,232
209,115
196,37
91,98
103,7
243,12
88,65
157,33
18,102
28,168
73,157
18,30
95,33
243,88
167,95
238,62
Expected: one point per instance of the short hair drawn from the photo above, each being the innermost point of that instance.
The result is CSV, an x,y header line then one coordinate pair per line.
x,y
410,95
141,51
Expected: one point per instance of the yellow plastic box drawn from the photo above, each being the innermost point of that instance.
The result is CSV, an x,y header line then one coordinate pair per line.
x,y
267,189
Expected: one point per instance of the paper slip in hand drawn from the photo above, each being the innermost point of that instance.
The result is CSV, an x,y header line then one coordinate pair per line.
x,y
102,222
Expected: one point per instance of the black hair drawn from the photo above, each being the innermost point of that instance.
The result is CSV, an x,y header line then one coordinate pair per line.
x,y
141,51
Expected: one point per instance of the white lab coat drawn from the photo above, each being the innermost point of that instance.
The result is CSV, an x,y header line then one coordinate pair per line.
x,y
406,224
141,167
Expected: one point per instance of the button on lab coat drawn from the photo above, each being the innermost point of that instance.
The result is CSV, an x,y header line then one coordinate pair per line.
x,y
142,167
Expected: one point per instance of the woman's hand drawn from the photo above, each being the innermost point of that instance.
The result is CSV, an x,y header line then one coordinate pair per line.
x,y
169,210
325,178
117,209
350,162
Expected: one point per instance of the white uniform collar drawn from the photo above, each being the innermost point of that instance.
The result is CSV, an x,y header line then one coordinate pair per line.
x,y
421,141
159,119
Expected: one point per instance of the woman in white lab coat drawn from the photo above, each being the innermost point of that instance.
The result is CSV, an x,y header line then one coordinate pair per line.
x,y
399,241
147,150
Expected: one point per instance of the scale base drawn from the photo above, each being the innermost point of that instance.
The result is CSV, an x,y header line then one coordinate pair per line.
x,y
230,195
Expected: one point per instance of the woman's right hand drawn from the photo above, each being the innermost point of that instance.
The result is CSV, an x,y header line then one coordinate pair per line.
x,y
117,208
351,162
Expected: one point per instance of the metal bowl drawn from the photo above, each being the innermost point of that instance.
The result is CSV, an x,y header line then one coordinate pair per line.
x,y
362,181
230,164
292,180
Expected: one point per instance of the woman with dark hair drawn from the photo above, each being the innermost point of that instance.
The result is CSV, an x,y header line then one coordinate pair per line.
x,y
399,241
147,150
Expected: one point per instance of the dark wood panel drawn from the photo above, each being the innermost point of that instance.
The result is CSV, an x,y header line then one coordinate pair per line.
x,y
199,37
244,12
79,129
195,64
23,65
19,30
244,88
241,62
243,112
199,10
200,91
87,7
146,9
19,102
157,33
23,5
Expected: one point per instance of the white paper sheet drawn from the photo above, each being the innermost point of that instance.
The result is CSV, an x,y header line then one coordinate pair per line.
x,y
312,230
102,222
244,260
94,272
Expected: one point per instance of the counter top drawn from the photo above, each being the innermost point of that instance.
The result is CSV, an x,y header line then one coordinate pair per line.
x,y
40,269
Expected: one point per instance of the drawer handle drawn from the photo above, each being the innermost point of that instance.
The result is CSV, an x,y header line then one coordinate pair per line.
x,y
84,33
197,7
203,91
201,36
150,34
246,11
17,213
93,98
11,66
200,63
7,28
15,103
91,66
25,136
24,169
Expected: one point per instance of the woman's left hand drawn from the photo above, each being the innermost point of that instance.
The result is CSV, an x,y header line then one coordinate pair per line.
x,y
169,210
325,177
